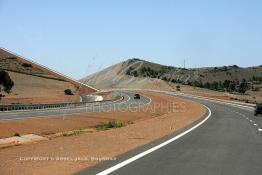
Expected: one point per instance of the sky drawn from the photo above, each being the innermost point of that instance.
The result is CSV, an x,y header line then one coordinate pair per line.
x,y
78,38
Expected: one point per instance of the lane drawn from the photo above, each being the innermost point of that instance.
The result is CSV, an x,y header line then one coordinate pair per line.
x,y
256,121
227,143
103,107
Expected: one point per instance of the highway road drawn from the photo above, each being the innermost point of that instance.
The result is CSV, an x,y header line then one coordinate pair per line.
x,y
98,107
227,142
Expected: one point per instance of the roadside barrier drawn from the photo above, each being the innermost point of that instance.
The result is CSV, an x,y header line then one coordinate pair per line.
x,y
26,107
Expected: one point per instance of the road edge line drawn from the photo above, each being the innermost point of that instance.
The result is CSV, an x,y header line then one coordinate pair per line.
x,y
140,155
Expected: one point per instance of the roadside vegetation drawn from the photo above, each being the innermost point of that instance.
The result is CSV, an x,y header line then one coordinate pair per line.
x,y
73,133
226,79
6,83
110,124
229,86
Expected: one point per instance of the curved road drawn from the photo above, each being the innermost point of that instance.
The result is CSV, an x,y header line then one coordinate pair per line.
x,y
228,143
103,107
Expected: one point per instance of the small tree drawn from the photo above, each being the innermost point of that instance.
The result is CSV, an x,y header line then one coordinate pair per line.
x,y
6,83
232,86
68,92
243,86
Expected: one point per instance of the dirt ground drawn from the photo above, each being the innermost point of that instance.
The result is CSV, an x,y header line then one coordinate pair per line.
x,y
32,89
151,122
54,124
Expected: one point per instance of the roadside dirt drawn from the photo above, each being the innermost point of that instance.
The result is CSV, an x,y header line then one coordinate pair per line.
x,y
149,124
32,89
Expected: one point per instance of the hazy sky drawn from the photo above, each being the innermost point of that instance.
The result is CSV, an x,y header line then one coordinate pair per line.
x,y
80,37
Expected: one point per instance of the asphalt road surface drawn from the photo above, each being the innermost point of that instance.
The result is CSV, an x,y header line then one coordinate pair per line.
x,y
228,143
103,107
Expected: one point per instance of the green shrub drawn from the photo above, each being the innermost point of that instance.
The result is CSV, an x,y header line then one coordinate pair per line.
x,y
111,124
102,126
116,124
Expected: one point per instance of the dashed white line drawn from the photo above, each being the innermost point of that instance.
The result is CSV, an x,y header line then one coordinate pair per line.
x,y
259,129
255,124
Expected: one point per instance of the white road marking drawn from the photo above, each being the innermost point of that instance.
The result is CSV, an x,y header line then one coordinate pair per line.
x,y
259,129
251,120
138,156
255,124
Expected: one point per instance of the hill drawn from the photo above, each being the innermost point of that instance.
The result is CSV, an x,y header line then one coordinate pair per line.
x,y
138,73
116,77
34,83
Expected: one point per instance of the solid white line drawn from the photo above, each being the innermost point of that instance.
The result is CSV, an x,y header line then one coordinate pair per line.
x,y
128,161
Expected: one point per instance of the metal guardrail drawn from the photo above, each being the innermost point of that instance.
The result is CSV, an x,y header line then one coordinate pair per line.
x,y
17,107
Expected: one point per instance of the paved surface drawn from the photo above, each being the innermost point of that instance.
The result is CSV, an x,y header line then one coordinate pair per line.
x,y
103,107
228,143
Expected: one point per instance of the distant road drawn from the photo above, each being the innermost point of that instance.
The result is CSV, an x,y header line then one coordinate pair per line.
x,y
76,110
228,143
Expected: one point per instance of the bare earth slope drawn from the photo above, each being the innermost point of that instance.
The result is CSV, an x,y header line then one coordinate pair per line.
x,y
147,69
137,73
32,89
115,77
34,83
